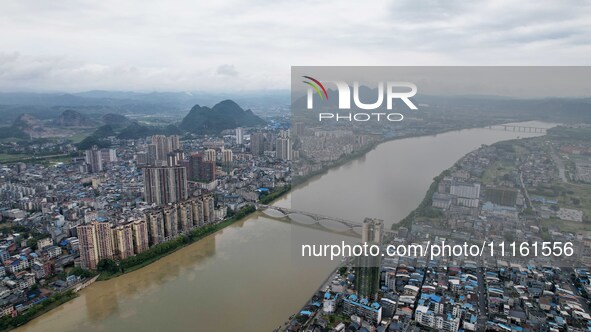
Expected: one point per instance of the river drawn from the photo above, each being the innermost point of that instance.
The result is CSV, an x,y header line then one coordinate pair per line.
x,y
243,278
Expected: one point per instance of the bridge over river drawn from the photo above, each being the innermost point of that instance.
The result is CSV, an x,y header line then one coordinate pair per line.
x,y
517,128
329,223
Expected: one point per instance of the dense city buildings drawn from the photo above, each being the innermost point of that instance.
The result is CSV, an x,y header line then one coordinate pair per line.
x,y
522,191
102,208
103,240
96,159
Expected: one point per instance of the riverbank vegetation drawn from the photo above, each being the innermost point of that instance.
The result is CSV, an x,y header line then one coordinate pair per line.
x,y
275,194
57,299
424,210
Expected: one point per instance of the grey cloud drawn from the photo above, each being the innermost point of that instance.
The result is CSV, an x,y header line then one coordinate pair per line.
x,y
157,45
227,70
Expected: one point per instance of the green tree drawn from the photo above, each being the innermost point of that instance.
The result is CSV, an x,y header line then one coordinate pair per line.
x,y
83,273
107,265
32,243
509,237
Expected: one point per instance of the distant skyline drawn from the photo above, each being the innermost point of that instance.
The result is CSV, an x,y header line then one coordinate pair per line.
x,y
73,46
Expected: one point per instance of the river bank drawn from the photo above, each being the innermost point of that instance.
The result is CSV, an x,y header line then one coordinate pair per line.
x,y
302,180
50,303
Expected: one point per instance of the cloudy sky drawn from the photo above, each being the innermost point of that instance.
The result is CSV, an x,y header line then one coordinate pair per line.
x,y
145,45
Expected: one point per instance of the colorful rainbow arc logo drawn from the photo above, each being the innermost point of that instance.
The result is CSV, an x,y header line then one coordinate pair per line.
x,y
316,85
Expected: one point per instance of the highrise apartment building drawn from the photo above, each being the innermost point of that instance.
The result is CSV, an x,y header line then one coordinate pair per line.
x,y
87,246
155,221
239,135
165,145
99,240
283,148
209,155
123,241
104,238
94,159
367,268
163,185
227,157
140,235
201,169
257,143
162,149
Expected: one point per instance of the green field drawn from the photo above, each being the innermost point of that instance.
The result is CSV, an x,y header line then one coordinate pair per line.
x,y
576,196
495,172
566,226
13,158
77,138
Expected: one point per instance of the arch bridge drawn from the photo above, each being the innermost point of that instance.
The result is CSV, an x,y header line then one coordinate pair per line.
x,y
343,225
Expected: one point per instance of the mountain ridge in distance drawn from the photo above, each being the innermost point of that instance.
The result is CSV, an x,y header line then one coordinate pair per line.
x,y
71,118
224,115
27,125
116,120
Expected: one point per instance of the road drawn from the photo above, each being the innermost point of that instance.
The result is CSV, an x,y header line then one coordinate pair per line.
x,y
482,301
561,169
525,193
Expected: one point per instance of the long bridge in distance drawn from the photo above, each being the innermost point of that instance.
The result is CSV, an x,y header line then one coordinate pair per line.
x,y
517,128
329,223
